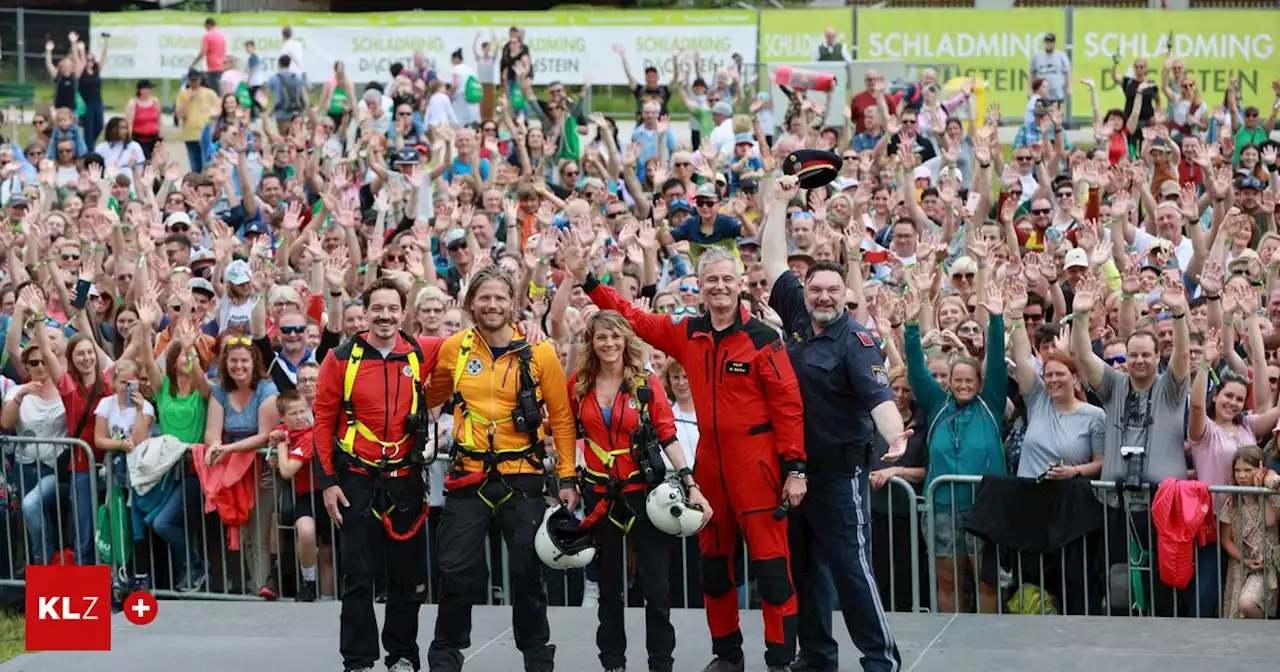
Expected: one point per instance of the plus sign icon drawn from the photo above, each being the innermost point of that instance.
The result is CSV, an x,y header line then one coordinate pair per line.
x,y
141,608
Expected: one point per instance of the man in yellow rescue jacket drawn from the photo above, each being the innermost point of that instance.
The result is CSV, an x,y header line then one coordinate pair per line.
x,y
498,383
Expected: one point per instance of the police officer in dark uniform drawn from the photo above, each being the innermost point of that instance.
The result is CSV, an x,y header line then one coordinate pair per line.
x,y
846,393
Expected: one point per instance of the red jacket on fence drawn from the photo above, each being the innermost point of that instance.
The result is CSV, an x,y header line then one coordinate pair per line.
x,y
229,488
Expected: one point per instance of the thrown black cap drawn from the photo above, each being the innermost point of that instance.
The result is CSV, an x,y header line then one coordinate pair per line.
x,y
814,167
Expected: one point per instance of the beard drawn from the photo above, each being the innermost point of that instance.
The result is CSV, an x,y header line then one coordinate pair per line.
x,y
825,315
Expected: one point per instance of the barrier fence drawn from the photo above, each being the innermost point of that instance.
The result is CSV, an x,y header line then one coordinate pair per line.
x,y
956,548
575,46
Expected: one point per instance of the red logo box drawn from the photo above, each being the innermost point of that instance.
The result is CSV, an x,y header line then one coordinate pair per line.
x,y
68,608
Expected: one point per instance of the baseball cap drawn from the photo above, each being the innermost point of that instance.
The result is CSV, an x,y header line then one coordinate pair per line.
x,y
744,139
748,184
680,205
454,239
407,155
255,228
193,74
1250,183
1170,188
800,255
922,173
748,242
1076,258
201,285
177,218
203,254
722,109
1050,37
843,183
237,272
707,190
94,291
18,199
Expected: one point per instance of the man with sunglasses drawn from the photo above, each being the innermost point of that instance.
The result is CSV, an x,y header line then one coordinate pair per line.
x,y
709,227
845,389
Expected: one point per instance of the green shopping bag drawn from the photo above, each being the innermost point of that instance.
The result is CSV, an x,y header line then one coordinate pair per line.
x,y
80,108
473,91
243,96
338,101
113,535
517,99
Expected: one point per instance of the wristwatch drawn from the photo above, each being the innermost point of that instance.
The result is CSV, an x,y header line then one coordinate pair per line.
x,y
794,468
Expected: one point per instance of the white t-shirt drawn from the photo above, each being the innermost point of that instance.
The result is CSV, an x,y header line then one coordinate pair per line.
x,y
293,49
231,315
461,73
120,421
39,417
686,432
119,154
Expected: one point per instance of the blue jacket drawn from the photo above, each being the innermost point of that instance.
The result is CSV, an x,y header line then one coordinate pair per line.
x,y
964,439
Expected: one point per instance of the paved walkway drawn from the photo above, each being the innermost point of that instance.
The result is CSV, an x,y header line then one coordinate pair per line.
x,y
193,636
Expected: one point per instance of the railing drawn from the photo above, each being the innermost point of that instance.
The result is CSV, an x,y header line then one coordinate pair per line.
x,y
925,556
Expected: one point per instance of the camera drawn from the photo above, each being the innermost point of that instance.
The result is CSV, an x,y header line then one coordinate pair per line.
x,y
646,448
526,417
1134,463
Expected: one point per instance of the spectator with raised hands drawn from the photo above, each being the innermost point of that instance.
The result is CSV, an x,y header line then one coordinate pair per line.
x,y
1064,436
965,426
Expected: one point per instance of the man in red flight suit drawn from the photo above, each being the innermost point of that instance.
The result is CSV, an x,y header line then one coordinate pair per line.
x,y
750,451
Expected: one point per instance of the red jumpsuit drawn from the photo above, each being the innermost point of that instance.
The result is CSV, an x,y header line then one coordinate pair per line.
x,y
751,422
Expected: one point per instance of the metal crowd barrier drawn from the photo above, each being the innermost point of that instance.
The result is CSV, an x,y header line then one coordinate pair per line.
x,y
1111,572
61,522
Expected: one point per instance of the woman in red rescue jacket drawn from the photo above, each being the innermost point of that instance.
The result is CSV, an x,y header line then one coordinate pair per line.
x,y
607,404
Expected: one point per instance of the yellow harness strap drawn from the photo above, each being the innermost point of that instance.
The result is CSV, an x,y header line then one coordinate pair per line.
x,y
465,444
354,426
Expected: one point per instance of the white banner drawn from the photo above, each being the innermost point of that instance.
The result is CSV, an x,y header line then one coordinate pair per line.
x,y
572,47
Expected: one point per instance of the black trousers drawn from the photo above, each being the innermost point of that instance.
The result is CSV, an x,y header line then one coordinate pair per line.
x,y
362,533
652,549
464,527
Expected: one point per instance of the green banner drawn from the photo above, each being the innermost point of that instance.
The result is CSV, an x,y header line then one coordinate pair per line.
x,y
793,35
992,45
1214,46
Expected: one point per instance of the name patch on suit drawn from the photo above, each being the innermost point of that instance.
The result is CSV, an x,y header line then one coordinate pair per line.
x,y
737,367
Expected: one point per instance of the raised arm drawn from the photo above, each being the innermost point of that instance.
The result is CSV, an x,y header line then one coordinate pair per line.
x,y
773,239
1090,365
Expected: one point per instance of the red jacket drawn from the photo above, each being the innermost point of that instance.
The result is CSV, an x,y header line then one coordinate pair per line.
x,y
624,419
382,397
1182,513
745,392
229,488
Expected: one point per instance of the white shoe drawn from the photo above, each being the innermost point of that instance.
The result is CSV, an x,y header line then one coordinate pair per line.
x,y
590,594
401,665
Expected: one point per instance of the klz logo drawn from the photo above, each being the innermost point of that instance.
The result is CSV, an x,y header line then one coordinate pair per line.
x,y
68,608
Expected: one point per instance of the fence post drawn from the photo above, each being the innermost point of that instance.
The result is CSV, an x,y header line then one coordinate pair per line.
x,y
22,45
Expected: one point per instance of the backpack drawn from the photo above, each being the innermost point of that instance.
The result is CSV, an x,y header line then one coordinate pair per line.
x,y
290,94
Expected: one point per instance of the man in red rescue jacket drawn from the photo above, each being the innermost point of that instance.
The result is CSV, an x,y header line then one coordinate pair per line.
x,y
750,451
369,388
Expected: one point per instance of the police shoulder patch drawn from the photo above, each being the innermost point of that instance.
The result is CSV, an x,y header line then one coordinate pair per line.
x,y
866,339
474,367
881,374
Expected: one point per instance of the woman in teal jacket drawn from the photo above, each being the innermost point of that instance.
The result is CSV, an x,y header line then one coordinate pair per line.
x,y
965,430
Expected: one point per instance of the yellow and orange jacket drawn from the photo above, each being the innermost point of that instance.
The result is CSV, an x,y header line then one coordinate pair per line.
x,y
489,388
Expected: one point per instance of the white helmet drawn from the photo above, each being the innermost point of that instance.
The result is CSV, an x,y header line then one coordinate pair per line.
x,y
669,510
561,543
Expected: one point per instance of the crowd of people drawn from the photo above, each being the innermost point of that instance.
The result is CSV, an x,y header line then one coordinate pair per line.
x,y
1041,309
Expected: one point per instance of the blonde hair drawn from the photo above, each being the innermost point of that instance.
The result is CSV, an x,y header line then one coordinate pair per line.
x,y
633,358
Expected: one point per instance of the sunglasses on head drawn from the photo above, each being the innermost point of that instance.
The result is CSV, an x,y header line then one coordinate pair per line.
x,y
293,330
352,302
239,341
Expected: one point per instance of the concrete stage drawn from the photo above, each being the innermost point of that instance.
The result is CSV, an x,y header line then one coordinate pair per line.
x,y
191,636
